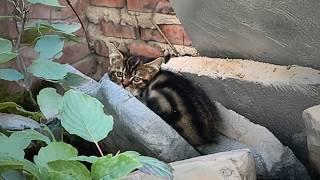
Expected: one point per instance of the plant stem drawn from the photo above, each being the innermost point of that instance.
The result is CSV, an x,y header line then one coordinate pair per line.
x,y
82,26
99,149
50,132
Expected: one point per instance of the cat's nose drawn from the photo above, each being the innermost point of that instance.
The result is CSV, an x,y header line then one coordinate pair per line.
x,y
125,83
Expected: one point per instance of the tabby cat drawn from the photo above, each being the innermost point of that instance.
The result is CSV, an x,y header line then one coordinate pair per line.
x,y
175,99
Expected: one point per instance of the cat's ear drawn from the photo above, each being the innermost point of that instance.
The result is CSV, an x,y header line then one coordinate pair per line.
x,y
114,54
154,66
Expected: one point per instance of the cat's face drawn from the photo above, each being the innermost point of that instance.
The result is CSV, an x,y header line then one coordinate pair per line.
x,y
131,73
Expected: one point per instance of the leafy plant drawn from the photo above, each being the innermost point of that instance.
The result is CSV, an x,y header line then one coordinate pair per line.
x,y
47,39
82,115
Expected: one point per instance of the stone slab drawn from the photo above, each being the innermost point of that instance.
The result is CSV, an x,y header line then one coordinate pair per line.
x,y
235,165
281,32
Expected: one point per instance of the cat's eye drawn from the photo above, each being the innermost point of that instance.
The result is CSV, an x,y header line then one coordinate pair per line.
x,y
136,79
119,74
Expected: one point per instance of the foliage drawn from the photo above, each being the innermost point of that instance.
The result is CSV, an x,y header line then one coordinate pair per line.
x,y
79,113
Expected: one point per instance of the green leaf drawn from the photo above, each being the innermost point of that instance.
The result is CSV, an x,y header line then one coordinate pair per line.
x,y
155,167
48,70
13,108
11,163
5,57
67,28
49,102
89,159
72,170
15,144
46,2
83,115
24,138
31,34
109,167
5,46
73,80
49,47
10,75
54,151
6,17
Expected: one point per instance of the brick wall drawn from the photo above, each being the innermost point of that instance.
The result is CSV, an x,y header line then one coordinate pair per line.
x,y
130,25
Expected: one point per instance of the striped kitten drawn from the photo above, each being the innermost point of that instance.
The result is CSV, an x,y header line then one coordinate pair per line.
x,y
175,99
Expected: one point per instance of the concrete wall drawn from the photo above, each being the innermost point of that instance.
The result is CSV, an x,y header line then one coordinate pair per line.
x,y
282,32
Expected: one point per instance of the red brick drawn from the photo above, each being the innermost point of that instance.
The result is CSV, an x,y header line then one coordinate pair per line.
x,y
116,30
87,66
141,48
159,6
73,53
108,3
101,48
175,34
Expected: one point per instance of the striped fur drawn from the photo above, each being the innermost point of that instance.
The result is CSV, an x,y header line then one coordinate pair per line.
x,y
175,99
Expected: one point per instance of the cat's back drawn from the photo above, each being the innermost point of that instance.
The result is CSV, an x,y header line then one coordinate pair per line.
x,y
183,105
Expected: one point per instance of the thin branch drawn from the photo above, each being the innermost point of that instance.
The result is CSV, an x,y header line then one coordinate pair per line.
x,y
166,39
82,26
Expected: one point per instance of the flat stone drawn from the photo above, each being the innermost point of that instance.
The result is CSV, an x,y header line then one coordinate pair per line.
x,y
16,122
311,118
236,165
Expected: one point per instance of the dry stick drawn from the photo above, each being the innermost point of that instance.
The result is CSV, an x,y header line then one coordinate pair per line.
x,y
82,26
165,38
20,61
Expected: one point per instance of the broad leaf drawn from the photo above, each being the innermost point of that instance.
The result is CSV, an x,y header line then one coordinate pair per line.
x,y
15,144
5,57
155,167
109,167
10,75
48,70
89,159
47,2
5,46
14,108
72,80
66,28
49,102
11,163
49,47
54,151
83,115
62,169
24,138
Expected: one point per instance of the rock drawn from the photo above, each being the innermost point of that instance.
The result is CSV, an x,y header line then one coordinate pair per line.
x,y
236,165
311,118
273,160
16,122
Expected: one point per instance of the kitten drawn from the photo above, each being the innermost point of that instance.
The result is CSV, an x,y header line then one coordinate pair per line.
x,y
175,99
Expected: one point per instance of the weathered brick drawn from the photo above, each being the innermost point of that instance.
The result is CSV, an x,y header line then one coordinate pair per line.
x,y
159,6
175,34
108,3
101,48
74,52
143,49
110,29
87,65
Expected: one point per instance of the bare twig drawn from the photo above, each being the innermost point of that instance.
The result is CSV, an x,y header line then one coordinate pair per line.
x,y
166,39
82,26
